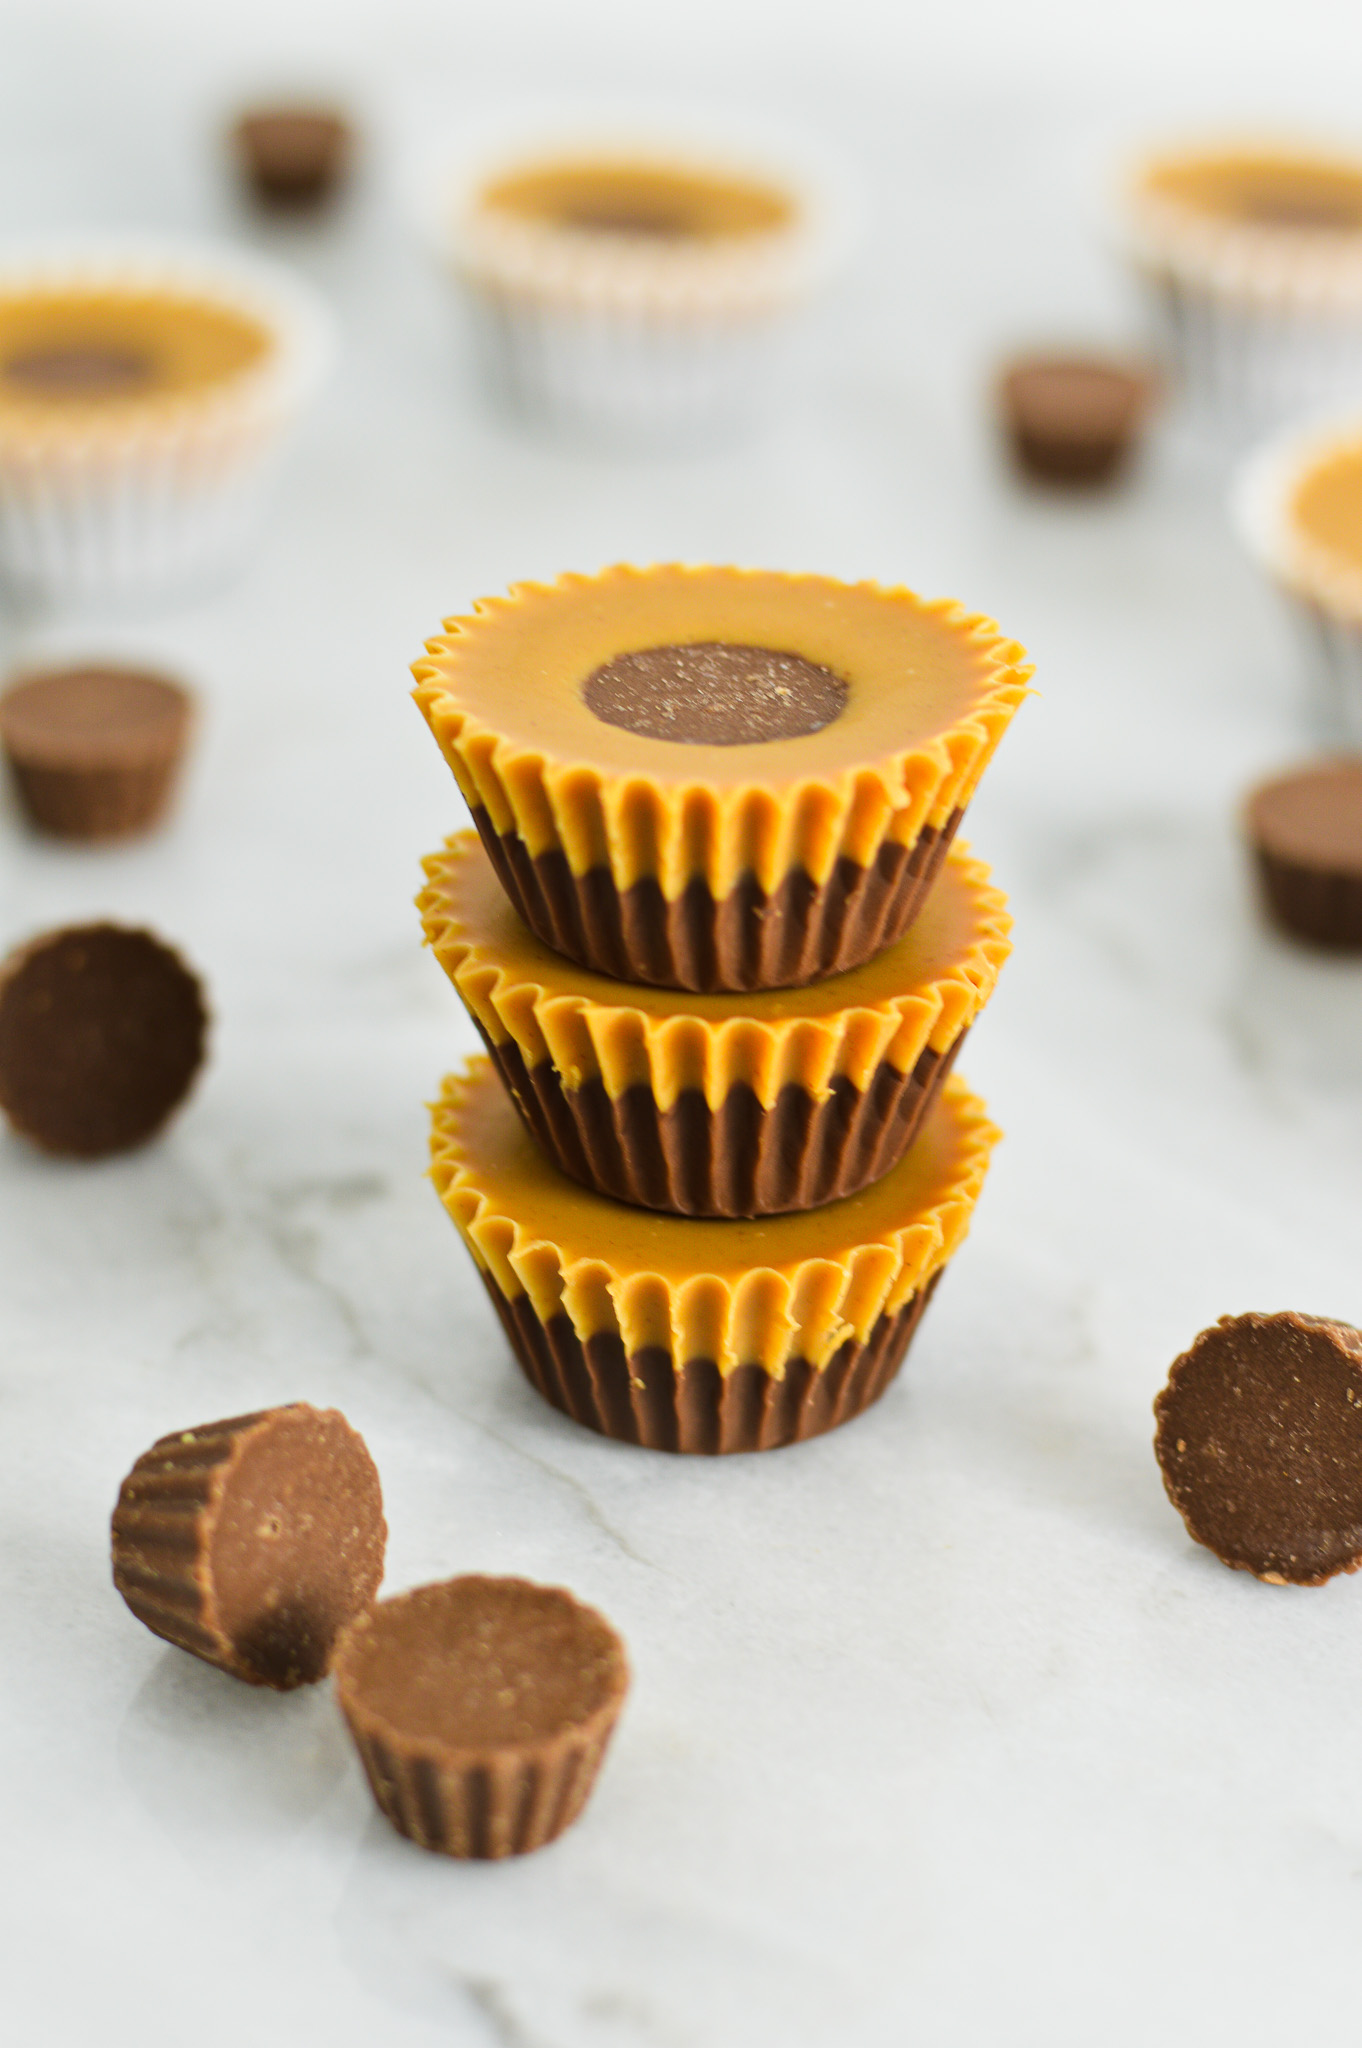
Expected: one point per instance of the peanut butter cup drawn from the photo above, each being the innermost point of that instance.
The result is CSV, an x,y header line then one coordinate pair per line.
x,y
101,1034
292,157
1260,1443
719,1105
714,779
481,1709
252,1542
686,1334
1305,828
1070,419
95,751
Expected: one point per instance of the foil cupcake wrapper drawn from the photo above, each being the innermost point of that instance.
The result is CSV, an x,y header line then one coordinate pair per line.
x,y
127,509
759,1294
718,883
484,1810
642,1397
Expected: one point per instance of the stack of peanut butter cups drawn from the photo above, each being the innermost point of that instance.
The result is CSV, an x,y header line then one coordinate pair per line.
x,y
723,945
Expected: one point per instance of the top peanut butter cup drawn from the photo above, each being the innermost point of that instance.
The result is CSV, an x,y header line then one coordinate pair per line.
x,y
713,778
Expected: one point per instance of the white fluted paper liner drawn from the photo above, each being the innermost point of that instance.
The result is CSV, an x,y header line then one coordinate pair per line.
x,y
1323,592
1259,324
133,504
627,338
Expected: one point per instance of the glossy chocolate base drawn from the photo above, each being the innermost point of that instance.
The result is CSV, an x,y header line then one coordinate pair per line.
x,y
740,1160
801,933
1322,906
643,1399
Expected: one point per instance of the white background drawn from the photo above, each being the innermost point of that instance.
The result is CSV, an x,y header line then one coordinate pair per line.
x,y
942,1731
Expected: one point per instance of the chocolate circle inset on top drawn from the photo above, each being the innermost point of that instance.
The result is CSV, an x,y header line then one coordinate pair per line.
x,y
94,750
481,1708
1259,1440
713,694
81,371
1305,828
252,1542
1072,419
101,1034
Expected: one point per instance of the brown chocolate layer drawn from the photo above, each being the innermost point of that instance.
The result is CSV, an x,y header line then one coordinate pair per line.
x,y
739,1160
251,1542
801,933
95,751
1259,1440
1072,419
481,1710
643,1399
293,156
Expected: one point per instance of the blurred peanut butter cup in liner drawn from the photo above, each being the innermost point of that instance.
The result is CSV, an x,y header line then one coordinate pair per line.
x,y
481,1709
632,288
1297,506
1251,255
292,156
146,391
1304,828
718,779
687,1334
719,1105
95,751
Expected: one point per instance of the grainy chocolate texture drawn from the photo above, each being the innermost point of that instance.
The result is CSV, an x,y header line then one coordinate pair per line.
x,y
1072,420
644,1399
802,932
481,1709
741,1160
1305,829
293,157
101,1034
1260,1443
95,751
251,1542
713,694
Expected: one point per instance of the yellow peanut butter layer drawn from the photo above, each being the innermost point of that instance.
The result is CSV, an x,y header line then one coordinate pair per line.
x,y
87,354
617,195
921,992
928,691
1271,189
1324,510
741,1292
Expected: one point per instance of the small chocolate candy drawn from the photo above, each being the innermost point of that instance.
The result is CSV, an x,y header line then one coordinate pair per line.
x,y
95,751
252,1542
293,156
710,693
1305,828
1259,1440
1072,420
101,1034
481,1709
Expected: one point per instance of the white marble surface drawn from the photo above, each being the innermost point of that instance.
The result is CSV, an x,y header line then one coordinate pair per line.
x,y
942,1731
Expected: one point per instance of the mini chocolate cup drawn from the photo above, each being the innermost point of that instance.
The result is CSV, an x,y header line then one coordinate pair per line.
x,y
741,1159
95,752
749,940
1305,831
292,158
251,1542
1072,421
481,1709
642,1398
